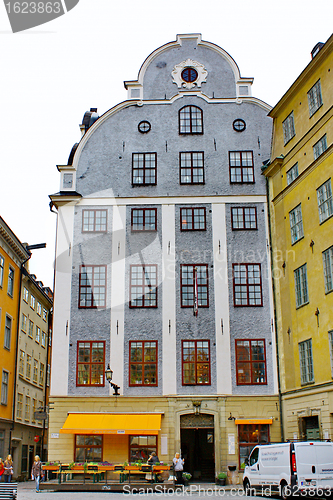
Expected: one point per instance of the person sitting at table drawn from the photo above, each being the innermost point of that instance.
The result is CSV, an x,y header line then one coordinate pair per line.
x,y
153,459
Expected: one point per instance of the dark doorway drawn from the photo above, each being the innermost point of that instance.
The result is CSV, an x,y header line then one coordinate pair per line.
x,y
309,428
31,458
197,447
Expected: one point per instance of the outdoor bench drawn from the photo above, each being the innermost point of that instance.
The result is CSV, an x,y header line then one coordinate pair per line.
x,y
8,491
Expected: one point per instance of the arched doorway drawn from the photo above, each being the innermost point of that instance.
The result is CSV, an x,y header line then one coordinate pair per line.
x,y
197,446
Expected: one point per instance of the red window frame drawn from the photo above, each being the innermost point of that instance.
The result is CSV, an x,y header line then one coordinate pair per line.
x,y
95,212
144,210
142,286
87,445
254,434
183,121
251,362
191,168
243,228
89,302
90,363
190,286
196,362
242,167
191,210
248,286
142,450
144,170
143,363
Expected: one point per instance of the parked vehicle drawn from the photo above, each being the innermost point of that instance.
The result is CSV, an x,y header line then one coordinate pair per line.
x,y
290,469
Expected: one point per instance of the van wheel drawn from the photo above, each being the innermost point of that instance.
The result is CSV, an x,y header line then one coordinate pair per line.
x,y
247,487
285,491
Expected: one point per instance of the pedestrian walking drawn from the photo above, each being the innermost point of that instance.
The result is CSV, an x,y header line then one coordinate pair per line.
x,y
178,464
36,472
8,469
2,469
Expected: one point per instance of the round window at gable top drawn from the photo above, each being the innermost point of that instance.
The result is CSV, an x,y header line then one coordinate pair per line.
x,y
239,125
189,75
144,127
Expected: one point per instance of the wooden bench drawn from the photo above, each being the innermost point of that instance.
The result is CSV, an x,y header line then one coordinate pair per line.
x,y
8,491
95,473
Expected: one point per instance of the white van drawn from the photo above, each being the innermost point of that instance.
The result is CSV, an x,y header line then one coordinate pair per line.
x,y
290,468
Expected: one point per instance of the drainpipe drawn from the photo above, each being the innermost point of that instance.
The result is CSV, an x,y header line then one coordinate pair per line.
x,y
275,318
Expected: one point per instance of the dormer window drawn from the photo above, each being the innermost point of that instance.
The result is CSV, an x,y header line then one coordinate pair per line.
x,y
190,120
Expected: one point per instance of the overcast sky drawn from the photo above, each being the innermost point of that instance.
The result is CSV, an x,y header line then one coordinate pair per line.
x,y
52,74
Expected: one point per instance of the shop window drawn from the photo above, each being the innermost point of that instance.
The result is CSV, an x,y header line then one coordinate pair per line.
x,y
143,363
249,436
140,447
90,363
88,448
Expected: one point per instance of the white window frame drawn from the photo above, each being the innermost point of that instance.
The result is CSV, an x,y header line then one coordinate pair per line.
x,y
288,127
330,339
27,409
19,407
306,362
10,284
44,314
301,286
292,173
2,269
32,302
296,224
325,201
37,335
39,308
43,342
25,295
320,147
24,323
8,332
21,362
315,99
328,269
4,387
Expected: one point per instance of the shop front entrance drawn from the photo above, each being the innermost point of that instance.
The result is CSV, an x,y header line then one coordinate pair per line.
x,y
197,446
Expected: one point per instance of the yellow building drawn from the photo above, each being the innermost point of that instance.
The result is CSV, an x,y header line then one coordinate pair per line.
x,y
300,192
12,255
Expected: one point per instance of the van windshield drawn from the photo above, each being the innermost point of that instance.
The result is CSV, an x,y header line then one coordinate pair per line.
x,y
254,456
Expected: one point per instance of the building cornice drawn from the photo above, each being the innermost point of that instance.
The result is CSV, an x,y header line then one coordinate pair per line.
x,y
11,239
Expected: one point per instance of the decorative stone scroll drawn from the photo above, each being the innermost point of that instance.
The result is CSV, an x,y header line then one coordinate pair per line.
x,y
192,420
189,63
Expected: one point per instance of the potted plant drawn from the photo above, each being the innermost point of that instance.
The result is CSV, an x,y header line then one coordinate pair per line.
x,y
186,477
221,478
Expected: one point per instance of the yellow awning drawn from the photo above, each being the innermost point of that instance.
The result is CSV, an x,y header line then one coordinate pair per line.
x,y
112,423
242,421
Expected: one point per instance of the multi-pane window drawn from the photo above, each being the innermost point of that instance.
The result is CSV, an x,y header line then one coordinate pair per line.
x,y
25,294
27,408
288,128
328,269
193,219
41,373
330,339
190,120
244,218
241,167
92,287
19,407
94,221
28,368
39,308
194,285
301,286
8,332
37,337
35,372
90,363
320,147
43,339
296,224
143,219
2,266
143,363
21,362
144,169
34,409
247,285
195,362
31,328
32,302
325,202
141,447
191,165
250,362
4,387
314,98
10,287
306,362
44,314
88,448
48,375
292,173
24,323
249,436
143,286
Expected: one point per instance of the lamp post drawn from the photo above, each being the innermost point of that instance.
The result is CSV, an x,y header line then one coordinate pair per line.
x,y
108,375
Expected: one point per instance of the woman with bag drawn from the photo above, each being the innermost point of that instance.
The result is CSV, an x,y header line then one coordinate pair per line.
x,y
8,469
36,471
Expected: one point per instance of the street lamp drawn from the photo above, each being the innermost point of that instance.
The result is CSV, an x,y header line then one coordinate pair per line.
x,y
108,375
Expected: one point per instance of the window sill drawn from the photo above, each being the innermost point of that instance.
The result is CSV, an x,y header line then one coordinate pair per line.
x,y
329,291
287,142
315,111
327,218
302,305
307,383
296,241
